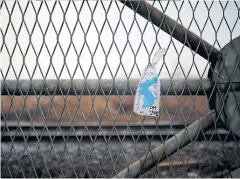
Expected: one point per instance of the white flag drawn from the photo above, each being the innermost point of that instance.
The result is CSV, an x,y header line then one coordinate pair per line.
x,y
147,97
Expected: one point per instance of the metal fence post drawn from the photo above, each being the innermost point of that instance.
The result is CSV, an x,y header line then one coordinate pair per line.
x,y
227,99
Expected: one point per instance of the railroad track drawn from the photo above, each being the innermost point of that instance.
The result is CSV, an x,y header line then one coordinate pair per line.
x,y
21,132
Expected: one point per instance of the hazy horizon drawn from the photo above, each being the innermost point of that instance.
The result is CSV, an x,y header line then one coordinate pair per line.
x,y
145,50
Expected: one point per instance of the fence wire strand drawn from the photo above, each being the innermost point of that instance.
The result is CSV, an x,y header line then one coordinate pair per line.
x,y
69,72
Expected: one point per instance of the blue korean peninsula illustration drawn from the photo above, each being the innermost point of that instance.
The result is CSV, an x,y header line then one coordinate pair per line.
x,y
148,98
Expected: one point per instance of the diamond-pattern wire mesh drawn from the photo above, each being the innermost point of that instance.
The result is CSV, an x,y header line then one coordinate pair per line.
x,y
68,39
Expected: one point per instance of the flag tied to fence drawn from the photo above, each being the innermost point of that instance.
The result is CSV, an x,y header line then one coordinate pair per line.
x,y
147,97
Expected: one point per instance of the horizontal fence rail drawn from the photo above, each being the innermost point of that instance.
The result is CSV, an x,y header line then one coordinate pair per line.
x,y
109,87
101,87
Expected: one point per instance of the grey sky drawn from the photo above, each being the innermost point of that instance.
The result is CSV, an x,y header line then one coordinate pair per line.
x,y
186,59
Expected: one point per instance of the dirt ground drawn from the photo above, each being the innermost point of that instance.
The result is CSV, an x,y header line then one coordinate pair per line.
x,y
100,158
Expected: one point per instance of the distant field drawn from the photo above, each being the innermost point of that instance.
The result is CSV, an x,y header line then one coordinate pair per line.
x,y
174,109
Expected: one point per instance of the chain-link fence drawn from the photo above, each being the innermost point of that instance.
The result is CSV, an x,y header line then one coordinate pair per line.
x,y
70,70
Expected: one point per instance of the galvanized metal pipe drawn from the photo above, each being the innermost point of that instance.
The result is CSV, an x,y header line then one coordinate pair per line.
x,y
101,87
176,30
168,148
